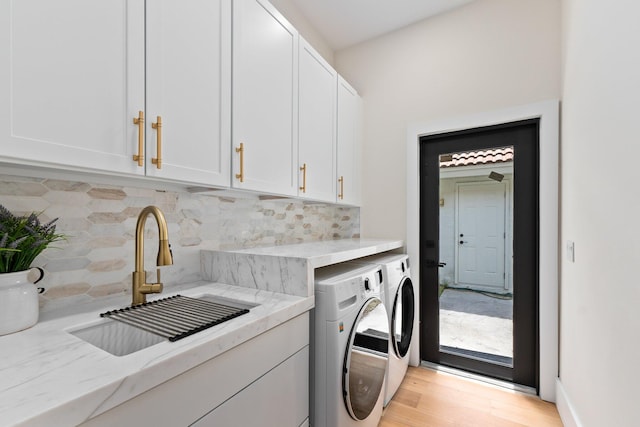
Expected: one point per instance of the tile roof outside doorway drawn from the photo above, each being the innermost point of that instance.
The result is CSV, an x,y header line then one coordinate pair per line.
x,y
470,158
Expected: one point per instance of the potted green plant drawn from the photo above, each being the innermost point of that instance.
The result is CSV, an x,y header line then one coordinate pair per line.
x,y
22,239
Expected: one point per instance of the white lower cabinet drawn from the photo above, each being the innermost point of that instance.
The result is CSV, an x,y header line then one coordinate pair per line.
x,y
279,398
264,381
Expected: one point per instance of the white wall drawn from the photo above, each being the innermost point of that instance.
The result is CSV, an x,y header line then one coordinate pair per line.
x,y
293,14
488,55
600,296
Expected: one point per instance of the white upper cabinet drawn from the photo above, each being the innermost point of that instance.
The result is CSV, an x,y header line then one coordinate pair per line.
x,y
316,126
349,144
71,81
227,92
265,97
189,88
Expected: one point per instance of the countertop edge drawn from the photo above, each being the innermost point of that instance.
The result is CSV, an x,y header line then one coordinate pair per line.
x,y
348,254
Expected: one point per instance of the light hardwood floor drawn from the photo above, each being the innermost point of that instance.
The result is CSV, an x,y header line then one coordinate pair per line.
x,y
431,398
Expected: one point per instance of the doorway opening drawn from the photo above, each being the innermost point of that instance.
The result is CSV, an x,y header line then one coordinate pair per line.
x,y
479,250
476,238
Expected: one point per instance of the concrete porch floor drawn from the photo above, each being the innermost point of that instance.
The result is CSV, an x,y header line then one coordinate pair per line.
x,y
473,321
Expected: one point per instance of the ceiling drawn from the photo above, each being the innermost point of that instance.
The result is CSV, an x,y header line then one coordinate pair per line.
x,y
344,23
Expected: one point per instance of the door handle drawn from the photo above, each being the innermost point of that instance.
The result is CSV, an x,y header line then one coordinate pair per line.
x,y
303,169
432,264
463,241
158,160
240,150
140,122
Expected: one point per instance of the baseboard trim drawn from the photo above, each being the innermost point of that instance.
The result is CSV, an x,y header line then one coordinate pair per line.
x,y
565,408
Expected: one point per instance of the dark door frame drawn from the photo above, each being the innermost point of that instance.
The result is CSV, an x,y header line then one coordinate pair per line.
x,y
549,113
524,137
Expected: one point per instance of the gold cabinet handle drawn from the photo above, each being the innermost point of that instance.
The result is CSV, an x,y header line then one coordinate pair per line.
x,y
303,169
158,127
140,122
341,194
240,150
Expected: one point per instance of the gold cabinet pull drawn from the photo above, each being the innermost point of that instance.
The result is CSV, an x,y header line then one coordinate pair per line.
x,y
240,150
140,122
303,169
341,194
158,127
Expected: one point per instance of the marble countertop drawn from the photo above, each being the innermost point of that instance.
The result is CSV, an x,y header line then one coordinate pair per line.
x,y
327,252
287,269
50,377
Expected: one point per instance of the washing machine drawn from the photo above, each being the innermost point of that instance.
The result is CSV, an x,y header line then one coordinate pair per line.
x,y
399,299
350,347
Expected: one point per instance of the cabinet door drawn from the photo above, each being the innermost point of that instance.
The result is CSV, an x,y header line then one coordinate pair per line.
x,y
71,82
278,398
189,87
265,51
349,143
317,125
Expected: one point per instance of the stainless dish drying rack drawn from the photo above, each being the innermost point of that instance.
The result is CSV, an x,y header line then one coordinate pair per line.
x,y
175,317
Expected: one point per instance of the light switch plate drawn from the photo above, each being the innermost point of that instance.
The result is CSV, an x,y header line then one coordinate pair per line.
x,y
571,251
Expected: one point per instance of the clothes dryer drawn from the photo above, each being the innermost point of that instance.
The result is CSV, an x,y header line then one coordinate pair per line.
x,y
399,298
350,347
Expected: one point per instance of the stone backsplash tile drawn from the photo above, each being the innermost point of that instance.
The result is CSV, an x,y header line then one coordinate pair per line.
x,y
97,259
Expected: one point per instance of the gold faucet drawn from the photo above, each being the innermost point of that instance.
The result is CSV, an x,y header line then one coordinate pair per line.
x,y
140,287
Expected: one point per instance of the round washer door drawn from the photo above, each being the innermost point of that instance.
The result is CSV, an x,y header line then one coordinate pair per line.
x,y
365,361
402,317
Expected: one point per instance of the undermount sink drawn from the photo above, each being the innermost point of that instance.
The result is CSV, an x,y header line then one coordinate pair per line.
x,y
120,338
117,338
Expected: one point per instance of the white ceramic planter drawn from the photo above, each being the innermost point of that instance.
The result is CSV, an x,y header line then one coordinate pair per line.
x,y
18,300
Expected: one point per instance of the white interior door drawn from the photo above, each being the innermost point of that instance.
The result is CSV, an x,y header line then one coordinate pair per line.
x,y
481,234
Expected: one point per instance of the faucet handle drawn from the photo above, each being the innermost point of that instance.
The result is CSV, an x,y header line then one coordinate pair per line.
x,y
154,288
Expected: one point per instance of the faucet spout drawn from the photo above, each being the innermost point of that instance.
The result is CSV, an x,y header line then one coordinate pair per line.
x,y
140,287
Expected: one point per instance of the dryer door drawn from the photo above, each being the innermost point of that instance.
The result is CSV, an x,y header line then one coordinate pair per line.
x,y
365,361
402,317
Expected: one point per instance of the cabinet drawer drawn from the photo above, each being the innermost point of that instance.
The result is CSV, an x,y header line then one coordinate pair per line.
x,y
279,398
